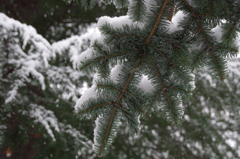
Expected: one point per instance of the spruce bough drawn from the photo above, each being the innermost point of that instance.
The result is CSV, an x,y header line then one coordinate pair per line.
x,y
148,43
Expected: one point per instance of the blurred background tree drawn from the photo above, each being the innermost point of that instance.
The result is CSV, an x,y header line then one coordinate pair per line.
x,y
55,19
37,114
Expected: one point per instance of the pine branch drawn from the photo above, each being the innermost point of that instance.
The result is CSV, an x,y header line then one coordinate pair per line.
x,y
124,88
196,18
217,65
157,21
106,57
104,86
160,53
198,58
137,10
165,91
120,3
171,64
92,108
107,132
206,40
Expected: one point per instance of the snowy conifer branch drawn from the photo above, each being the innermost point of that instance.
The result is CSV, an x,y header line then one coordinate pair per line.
x,y
157,21
106,136
170,103
89,64
206,39
171,64
137,10
151,41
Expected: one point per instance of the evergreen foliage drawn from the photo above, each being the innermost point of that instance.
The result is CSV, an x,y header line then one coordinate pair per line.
x,y
144,63
210,128
167,57
55,20
38,86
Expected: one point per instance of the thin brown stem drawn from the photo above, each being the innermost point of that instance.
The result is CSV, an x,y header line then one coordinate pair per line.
x,y
157,21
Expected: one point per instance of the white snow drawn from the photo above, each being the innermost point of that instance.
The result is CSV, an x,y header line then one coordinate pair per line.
x,y
146,85
90,93
237,43
12,94
192,83
116,70
173,26
75,45
33,59
45,117
234,66
96,130
217,32
118,22
87,54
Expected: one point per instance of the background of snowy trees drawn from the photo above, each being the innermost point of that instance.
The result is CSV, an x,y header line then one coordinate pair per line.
x,y
40,83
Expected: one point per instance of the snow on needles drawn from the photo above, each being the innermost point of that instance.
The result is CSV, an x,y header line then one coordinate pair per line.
x,y
30,53
46,118
75,46
117,22
237,42
145,85
115,71
26,59
93,35
217,31
173,26
90,93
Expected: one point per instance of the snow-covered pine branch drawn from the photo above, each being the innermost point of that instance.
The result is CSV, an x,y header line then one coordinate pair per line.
x,y
37,79
163,40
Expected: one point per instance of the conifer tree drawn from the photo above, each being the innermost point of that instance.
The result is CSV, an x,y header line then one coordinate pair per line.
x,y
37,119
152,46
39,84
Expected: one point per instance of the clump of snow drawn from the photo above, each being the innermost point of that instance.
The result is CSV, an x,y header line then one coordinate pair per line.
x,y
75,45
178,17
146,85
192,83
217,31
115,72
90,93
237,43
87,54
96,130
13,92
117,22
